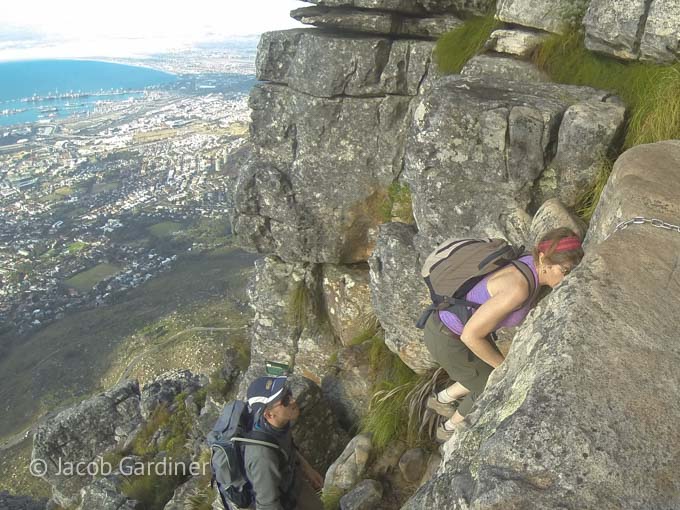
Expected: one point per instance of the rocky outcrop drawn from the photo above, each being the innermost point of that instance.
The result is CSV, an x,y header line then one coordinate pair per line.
x,y
548,15
165,388
81,433
471,174
634,29
581,414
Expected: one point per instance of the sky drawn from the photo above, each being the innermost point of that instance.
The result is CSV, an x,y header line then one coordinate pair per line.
x,y
31,29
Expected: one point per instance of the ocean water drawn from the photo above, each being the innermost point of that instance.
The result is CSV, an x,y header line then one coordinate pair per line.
x,y
45,89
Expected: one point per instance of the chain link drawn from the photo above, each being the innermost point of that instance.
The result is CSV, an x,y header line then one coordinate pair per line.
x,y
640,220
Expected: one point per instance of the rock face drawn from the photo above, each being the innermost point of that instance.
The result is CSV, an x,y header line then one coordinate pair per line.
x,y
572,404
81,433
597,126
348,387
328,134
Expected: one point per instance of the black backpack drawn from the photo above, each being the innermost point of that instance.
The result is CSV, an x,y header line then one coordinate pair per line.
x,y
231,432
457,265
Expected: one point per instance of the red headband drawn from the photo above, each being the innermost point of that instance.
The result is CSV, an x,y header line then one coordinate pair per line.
x,y
565,244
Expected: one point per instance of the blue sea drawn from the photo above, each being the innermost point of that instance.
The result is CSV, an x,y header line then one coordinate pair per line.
x,y
38,90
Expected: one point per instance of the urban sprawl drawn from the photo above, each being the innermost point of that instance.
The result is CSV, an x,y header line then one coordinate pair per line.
x,y
93,206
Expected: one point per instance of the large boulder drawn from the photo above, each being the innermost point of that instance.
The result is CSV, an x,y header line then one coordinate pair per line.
x,y
471,172
80,434
399,294
582,413
105,494
644,183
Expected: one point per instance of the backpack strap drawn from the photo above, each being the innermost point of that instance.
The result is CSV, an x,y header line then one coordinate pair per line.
x,y
261,438
530,278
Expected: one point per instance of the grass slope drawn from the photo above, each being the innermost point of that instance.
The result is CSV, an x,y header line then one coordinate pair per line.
x,y
66,360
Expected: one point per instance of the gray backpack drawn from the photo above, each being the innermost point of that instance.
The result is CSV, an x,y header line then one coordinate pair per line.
x,y
231,432
457,265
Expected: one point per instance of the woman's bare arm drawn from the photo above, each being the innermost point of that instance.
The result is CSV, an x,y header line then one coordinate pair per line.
x,y
509,291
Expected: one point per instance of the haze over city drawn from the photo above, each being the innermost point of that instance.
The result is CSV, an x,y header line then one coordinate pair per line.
x,y
36,29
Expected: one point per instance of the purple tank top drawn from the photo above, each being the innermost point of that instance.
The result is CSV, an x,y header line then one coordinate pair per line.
x,y
480,294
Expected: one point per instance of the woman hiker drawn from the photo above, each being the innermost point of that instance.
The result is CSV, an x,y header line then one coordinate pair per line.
x,y
466,352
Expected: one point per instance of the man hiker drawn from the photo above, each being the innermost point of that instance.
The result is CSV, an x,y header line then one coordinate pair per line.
x,y
281,480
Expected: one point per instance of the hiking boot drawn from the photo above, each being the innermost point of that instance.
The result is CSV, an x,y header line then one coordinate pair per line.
x,y
441,408
443,434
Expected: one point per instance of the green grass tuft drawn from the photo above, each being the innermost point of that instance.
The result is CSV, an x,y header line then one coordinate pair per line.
x,y
455,48
299,304
394,380
331,498
587,202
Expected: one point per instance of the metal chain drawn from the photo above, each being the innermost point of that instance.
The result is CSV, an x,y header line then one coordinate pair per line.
x,y
639,220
